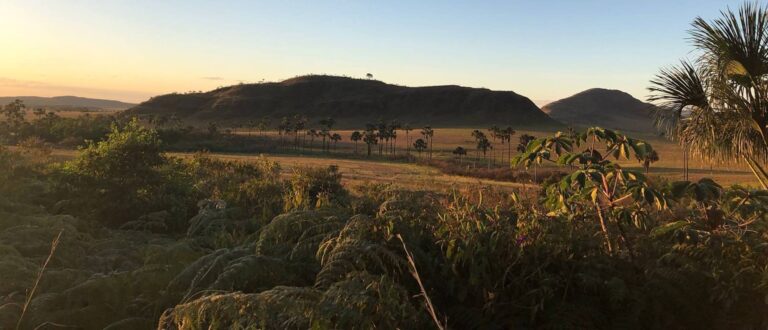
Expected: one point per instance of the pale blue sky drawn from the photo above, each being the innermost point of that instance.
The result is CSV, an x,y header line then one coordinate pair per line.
x,y
131,50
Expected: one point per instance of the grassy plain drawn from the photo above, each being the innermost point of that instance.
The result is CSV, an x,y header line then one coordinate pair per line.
x,y
670,164
414,176
356,172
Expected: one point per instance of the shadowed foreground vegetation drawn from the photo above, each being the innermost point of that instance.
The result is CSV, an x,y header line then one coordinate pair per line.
x,y
151,241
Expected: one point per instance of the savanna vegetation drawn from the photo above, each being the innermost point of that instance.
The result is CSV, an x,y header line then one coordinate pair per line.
x,y
127,236
124,236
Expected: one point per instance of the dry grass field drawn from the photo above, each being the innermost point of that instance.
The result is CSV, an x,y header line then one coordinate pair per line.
x,y
356,172
669,166
411,176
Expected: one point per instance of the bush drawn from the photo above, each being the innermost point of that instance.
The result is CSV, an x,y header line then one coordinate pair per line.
x,y
124,177
311,188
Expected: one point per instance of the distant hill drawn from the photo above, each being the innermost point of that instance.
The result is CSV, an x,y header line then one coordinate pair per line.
x,y
603,107
67,102
352,102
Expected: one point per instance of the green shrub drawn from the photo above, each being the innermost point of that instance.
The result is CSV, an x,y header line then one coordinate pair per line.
x,y
123,177
311,188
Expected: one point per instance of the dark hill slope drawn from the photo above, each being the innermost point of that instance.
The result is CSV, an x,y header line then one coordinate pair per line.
x,y
603,107
352,102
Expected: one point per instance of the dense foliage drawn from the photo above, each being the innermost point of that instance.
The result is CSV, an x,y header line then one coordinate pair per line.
x,y
148,240
16,126
716,106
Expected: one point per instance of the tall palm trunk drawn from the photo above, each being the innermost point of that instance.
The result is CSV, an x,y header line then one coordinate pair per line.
x,y
407,144
430,147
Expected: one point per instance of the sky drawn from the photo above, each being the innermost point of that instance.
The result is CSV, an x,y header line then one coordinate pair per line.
x,y
544,49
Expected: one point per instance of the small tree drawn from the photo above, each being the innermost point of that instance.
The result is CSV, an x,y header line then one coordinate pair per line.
x,y
14,119
284,128
615,194
460,152
524,140
478,135
495,133
483,145
393,127
647,158
428,134
506,137
335,137
299,124
327,125
370,137
420,145
121,176
407,128
263,124
356,137
383,133
312,133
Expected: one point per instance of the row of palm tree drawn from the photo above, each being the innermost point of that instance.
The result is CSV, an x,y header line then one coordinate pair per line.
x,y
384,134
505,136
483,145
296,126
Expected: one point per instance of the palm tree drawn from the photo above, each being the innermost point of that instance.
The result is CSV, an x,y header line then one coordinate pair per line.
x,y
284,128
407,128
484,145
478,135
299,124
312,135
495,133
335,138
647,159
420,145
369,137
355,137
428,134
506,135
383,134
524,140
324,133
394,125
327,124
718,106
263,124
460,152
